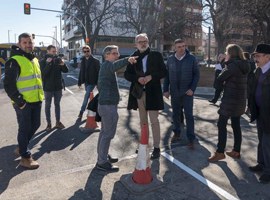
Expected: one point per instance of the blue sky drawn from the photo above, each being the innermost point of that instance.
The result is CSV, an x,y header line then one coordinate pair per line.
x,y
14,21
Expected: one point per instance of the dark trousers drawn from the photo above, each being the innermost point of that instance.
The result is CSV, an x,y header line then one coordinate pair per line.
x,y
222,133
28,121
178,103
217,94
263,152
57,95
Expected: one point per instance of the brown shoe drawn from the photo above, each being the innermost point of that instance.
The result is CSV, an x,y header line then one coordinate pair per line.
x,y
234,154
17,151
175,138
216,157
59,125
49,127
29,163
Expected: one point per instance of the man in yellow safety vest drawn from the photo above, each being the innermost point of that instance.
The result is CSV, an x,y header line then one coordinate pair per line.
x,y
23,85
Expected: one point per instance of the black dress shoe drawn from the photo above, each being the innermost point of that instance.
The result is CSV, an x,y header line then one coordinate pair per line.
x,y
155,154
265,178
112,159
256,168
107,167
212,101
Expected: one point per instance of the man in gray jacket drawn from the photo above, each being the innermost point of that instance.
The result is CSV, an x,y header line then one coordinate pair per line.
x,y
180,83
107,104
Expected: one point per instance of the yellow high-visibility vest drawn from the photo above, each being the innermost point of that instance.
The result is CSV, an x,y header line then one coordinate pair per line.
x,y
29,83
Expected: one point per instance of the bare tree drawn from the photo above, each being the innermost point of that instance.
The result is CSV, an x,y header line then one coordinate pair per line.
x,y
218,15
144,16
94,15
258,13
162,19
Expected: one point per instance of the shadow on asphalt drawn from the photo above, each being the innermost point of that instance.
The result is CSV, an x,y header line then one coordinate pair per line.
x,y
8,166
59,139
92,187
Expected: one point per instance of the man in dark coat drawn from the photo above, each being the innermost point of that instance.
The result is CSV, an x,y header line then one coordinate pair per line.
x,y
180,83
88,76
260,110
147,74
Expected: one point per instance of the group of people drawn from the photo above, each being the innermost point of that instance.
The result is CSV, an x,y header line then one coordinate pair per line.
x,y
233,80
27,82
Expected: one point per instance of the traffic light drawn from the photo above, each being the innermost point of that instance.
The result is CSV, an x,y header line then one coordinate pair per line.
x,y
33,36
27,8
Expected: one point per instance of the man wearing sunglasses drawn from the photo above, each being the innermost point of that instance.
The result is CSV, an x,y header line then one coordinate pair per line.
x,y
88,76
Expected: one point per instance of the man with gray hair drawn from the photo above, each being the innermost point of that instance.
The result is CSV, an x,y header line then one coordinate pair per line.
x,y
147,74
107,104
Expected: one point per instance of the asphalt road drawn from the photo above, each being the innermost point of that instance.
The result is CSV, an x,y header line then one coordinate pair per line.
x,y
67,157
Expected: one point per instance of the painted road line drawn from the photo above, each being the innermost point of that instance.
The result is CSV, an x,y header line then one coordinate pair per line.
x,y
69,90
208,183
69,76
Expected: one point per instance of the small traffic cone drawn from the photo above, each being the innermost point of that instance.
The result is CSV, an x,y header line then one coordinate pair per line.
x,y
91,123
142,173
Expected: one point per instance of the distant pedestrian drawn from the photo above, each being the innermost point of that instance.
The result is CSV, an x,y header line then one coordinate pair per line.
x,y
107,105
218,87
233,102
250,79
145,91
52,67
181,82
75,62
260,110
23,85
88,76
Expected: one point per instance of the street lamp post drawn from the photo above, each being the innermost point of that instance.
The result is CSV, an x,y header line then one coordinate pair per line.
x,y
209,45
56,34
9,36
60,16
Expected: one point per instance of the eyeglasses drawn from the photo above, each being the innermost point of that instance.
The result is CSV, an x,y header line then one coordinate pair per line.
x,y
257,55
142,42
114,53
86,51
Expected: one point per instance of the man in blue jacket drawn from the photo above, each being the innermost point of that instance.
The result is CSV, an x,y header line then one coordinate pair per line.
x,y
180,83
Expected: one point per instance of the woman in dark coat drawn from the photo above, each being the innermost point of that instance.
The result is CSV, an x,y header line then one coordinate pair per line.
x,y
233,102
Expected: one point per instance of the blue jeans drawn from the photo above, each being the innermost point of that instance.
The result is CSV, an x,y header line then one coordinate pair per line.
x,y
88,89
222,133
28,120
109,118
57,95
178,103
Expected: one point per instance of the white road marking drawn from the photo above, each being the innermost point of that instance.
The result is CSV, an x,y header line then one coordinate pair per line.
x,y
70,76
208,183
69,90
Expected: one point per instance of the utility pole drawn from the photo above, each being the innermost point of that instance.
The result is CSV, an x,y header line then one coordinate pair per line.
x,y
209,45
9,36
56,35
60,16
